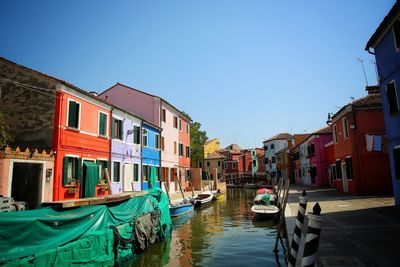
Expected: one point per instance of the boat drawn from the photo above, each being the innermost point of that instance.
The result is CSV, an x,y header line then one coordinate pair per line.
x,y
218,195
249,186
181,208
202,199
264,206
264,190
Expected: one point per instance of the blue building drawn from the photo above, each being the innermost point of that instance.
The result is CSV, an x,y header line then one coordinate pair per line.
x,y
151,154
385,45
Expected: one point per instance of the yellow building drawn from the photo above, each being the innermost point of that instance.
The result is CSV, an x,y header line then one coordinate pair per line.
x,y
211,146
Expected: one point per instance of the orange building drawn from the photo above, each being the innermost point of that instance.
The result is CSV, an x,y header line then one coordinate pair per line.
x,y
81,140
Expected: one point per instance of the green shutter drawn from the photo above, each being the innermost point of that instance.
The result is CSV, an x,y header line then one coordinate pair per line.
x,y
135,172
71,114
102,124
65,171
112,127
78,170
116,175
76,115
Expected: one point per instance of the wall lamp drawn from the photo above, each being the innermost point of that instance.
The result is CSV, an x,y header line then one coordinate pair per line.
x,y
329,120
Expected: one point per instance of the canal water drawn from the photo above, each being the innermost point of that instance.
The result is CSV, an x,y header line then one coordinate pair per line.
x,y
222,234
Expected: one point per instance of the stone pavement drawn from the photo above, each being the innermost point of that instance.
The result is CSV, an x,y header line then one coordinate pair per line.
x,y
356,230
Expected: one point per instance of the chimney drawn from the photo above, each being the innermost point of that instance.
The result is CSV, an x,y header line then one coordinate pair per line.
x,y
373,89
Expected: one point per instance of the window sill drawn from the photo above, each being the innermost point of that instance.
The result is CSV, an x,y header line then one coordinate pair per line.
x,y
71,185
73,129
102,136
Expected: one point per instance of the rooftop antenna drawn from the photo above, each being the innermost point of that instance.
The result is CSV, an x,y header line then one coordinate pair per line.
x,y
362,64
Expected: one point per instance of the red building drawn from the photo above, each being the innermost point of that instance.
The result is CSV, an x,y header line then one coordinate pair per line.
x,y
233,163
361,159
82,144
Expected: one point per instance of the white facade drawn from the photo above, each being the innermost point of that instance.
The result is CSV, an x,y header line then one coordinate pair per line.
x,y
170,150
305,164
272,147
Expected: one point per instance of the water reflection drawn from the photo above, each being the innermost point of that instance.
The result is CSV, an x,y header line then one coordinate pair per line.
x,y
221,234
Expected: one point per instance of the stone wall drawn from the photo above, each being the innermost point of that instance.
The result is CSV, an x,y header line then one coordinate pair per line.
x,y
27,100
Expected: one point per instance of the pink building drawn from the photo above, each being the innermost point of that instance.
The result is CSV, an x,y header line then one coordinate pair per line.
x,y
318,163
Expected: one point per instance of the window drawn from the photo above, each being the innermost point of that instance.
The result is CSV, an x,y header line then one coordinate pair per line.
x,y
273,159
135,172
335,136
266,161
253,152
174,147
345,128
145,172
200,164
102,124
332,173
180,150
164,115
396,162
187,152
187,128
136,135
71,170
187,174
157,141
225,165
272,146
396,32
254,163
265,147
180,125
162,143
175,122
117,129
349,168
208,164
116,172
144,137
103,167
219,163
338,170
392,98
73,114
234,165
310,150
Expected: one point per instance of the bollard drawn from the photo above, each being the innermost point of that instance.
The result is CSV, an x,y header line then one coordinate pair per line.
x,y
312,238
298,229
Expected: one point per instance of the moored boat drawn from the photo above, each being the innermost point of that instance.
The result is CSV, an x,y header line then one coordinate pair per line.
x,y
264,206
181,208
202,199
218,195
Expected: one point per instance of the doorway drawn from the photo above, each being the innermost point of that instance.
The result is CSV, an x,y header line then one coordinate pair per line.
x,y
344,178
26,183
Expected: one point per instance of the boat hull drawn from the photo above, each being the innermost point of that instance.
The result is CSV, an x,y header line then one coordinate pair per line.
x,y
218,196
180,209
265,211
202,199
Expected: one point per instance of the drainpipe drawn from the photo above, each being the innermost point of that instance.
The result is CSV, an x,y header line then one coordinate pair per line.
x,y
110,128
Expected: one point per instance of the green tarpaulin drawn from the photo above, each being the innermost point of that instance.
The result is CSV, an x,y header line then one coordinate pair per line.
x,y
47,236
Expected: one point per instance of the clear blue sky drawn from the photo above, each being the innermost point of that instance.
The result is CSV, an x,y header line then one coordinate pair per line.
x,y
245,70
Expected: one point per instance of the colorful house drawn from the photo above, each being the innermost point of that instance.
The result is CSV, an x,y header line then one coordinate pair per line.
x,y
214,160
233,164
125,152
184,150
385,45
150,154
160,113
362,161
211,146
315,163
271,147
284,164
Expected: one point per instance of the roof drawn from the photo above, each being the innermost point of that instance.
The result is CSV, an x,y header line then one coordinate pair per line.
x,y
280,136
215,155
143,92
368,101
210,141
233,147
325,130
283,150
70,85
384,26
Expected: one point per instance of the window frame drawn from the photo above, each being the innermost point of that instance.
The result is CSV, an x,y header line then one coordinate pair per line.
x,y
181,153
163,115
180,124
157,141
105,124
396,24
175,122
145,144
335,134
136,179
119,172
345,125
187,128
78,117
120,133
394,113
187,152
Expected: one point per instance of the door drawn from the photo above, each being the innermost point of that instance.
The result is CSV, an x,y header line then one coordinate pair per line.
x,y
26,183
344,178
128,177
90,178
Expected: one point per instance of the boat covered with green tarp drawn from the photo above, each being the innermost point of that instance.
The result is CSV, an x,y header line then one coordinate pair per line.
x,y
96,235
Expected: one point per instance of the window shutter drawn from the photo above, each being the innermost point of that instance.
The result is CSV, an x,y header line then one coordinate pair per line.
x,y
102,127
113,128
76,115
71,114
65,170
78,170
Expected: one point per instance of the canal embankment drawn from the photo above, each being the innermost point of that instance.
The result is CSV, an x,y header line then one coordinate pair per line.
x,y
356,230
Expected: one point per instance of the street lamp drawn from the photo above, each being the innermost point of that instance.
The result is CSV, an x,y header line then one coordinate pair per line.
x,y
329,120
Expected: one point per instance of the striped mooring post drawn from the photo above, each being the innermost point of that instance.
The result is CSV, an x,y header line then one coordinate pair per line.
x,y
298,229
312,238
